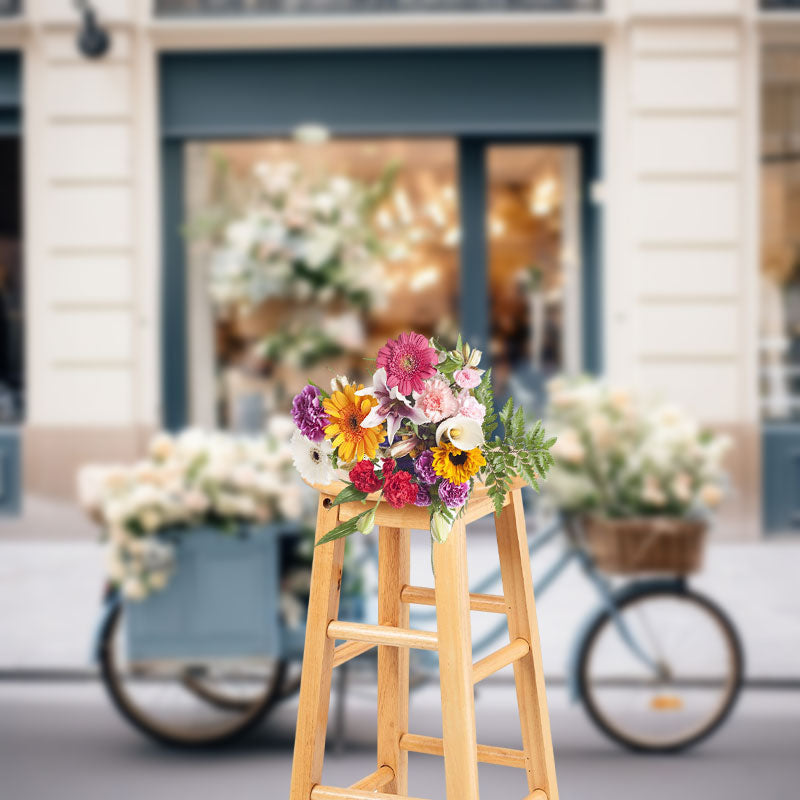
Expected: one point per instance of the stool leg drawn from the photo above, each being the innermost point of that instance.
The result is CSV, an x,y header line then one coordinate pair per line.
x,y
394,557
515,565
315,682
455,665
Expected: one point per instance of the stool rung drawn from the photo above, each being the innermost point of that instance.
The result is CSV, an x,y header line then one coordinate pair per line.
x,y
376,780
500,658
537,794
487,754
422,596
383,634
349,650
333,793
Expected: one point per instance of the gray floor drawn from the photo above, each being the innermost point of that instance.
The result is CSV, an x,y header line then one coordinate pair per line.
x,y
64,741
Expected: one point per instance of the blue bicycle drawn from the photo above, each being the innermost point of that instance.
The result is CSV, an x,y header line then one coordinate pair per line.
x,y
657,666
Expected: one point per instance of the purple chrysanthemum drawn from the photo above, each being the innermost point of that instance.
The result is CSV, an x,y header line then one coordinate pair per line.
x,y
453,495
423,466
308,413
423,498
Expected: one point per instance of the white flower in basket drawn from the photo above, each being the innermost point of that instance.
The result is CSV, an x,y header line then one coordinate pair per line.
x,y
194,479
640,473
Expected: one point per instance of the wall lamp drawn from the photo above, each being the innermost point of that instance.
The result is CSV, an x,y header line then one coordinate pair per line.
x,y
93,41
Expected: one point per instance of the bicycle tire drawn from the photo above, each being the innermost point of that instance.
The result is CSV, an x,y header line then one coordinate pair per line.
x,y
735,647
162,734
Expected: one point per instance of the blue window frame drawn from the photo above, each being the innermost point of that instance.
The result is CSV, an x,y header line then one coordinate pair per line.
x,y
11,369
475,95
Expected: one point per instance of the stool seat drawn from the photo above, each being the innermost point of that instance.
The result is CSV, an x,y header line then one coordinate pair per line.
x,y
418,519
452,640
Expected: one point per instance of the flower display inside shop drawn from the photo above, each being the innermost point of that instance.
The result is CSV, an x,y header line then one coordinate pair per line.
x,y
423,434
297,234
188,480
623,454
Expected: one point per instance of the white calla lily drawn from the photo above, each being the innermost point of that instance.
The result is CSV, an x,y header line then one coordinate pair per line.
x,y
463,432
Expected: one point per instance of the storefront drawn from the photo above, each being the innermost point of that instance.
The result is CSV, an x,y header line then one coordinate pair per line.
x,y
591,165
467,134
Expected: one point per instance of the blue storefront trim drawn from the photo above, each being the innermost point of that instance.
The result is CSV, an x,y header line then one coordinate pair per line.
x,y
10,437
475,95
10,471
10,93
781,477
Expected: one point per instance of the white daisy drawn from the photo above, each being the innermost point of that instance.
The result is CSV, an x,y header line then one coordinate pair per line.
x,y
312,459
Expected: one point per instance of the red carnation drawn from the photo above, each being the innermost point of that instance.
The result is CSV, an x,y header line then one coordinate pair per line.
x,y
400,490
388,467
364,478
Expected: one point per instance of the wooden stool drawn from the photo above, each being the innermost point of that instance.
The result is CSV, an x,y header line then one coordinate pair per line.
x,y
458,674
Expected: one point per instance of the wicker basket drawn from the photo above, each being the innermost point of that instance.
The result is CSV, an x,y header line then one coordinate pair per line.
x,y
641,544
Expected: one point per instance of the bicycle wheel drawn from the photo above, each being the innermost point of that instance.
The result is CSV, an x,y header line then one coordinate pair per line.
x,y
187,705
664,674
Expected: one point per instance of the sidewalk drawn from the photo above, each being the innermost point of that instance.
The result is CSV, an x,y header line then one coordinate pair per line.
x,y
50,598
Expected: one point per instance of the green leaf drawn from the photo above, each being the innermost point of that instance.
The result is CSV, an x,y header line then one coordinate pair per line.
x,y
343,529
518,424
485,395
348,495
322,392
508,410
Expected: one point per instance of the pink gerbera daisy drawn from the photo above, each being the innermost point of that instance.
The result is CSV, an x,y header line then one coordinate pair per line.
x,y
408,361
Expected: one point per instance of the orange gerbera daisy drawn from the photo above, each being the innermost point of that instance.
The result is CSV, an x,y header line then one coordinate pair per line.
x,y
346,412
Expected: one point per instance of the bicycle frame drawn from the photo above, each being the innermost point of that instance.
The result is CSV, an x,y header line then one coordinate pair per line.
x,y
609,600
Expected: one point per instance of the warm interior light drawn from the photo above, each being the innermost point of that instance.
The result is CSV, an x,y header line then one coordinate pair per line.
x,y
543,197
424,278
497,226
452,236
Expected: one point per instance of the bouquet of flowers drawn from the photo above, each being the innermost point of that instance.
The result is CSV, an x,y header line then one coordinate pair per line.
x,y
623,454
421,434
191,479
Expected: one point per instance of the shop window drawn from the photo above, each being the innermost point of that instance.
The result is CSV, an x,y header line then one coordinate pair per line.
x,y
305,256
780,227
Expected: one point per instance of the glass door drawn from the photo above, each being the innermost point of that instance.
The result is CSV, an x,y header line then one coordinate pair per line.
x,y
532,229
521,261
779,335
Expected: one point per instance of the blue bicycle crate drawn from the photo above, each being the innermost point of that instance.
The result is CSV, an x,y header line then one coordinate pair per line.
x,y
222,600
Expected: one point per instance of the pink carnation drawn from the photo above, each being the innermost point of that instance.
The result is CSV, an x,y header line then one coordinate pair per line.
x,y
437,400
468,406
467,378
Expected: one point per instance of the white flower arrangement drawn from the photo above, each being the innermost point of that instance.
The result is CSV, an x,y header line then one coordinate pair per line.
x,y
299,235
193,478
622,454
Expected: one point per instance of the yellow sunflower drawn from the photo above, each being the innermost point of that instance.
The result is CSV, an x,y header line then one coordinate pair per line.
x,y
457,466
346,412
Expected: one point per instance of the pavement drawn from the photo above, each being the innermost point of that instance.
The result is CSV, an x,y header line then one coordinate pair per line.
x,y
61,741
61,738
